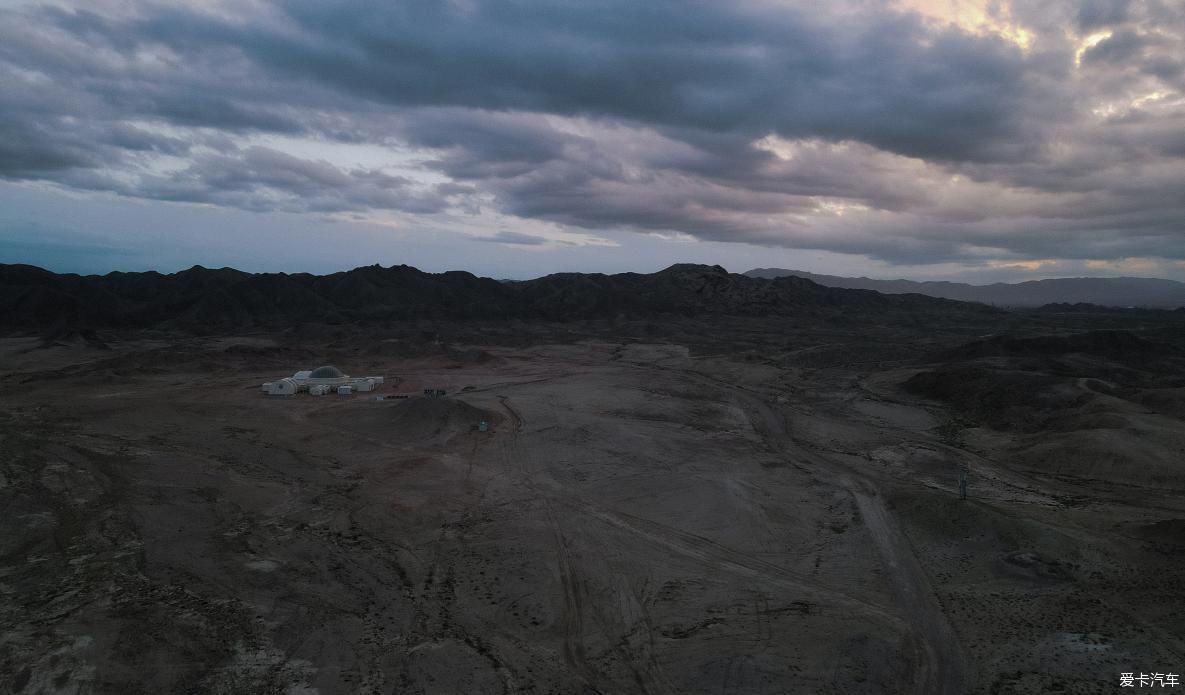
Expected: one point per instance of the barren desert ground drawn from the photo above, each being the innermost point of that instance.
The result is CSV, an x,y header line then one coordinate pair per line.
x,y
639,518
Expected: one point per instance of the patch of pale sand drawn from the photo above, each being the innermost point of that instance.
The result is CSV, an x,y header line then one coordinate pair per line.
x,y
903,416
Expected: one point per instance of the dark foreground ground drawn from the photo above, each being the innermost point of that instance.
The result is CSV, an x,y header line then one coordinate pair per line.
x,y
729,506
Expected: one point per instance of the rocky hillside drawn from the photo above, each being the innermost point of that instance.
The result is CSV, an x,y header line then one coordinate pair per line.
x,y
1034,384
33,299
1111,292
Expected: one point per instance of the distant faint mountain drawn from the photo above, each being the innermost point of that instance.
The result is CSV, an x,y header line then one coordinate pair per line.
x,y
1122,291
212,300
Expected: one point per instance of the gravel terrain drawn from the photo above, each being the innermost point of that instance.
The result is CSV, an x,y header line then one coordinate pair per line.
x,y
641,517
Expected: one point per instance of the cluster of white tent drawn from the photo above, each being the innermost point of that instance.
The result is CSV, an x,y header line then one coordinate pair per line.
x,y
321,381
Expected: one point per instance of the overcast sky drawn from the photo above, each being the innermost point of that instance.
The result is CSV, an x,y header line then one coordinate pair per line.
x,y
975,140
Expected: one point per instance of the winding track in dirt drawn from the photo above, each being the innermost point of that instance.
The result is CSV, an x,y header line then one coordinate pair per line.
x,y
943,669
940,663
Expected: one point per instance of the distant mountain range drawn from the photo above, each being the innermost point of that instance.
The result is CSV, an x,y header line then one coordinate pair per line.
x,y
1120,292
200,299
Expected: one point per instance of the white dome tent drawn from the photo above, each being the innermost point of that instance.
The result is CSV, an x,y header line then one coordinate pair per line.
x,y
281,387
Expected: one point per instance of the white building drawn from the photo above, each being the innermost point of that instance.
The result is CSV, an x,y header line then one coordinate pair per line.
x,y
320,381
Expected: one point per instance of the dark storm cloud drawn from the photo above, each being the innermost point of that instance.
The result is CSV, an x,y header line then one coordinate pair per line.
x,y
262,179
28,152
1120,47
870,131
880,78
1093,14
31,147
477,145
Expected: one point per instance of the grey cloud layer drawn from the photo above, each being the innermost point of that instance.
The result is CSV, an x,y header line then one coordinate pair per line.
x,y
704,66
515,238
262,179
884,134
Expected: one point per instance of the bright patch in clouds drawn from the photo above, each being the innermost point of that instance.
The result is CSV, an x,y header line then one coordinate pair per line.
x,y
1089,42
983,17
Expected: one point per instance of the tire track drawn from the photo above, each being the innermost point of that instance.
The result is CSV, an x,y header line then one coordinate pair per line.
x,y
942,667
570,583
711,553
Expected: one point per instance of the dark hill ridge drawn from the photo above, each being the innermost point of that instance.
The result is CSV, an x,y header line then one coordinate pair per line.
x,y
210,300
1119,346
1060,382
1115,292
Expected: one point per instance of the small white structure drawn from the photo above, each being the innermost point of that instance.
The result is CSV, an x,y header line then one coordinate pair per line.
x,y
282,387
345,390
318,389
